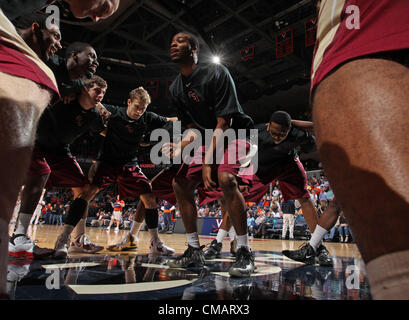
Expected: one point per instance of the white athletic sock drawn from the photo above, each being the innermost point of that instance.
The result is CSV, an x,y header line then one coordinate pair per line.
x,y
4,242
154,234
317,236
193,239
136,226
79,229
243,241
232,234
388,276
221,235
23,223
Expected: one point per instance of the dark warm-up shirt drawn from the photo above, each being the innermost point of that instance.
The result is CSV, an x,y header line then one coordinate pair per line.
x,y
124,135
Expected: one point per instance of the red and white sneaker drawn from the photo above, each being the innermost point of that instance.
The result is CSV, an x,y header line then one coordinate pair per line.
x,y
83,244
21,246
158,248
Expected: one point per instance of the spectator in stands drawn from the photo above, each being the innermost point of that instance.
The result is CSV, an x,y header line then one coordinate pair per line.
x,y
323,198
313,196
276,212
343,228
58,214
297,206
276,193
250,223
48,213
269,223
259,223
104,218
288,210
161,221
200,212
168,209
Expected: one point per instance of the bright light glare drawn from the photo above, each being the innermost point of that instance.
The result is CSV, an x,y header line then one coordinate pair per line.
x,y
216,59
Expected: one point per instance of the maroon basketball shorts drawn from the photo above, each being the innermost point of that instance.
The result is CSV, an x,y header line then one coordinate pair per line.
x,y
234,157
131,181
64,170
350,29
162,185
162,188
292,180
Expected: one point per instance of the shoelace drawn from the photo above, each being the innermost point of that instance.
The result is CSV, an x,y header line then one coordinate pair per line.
x,y
241,255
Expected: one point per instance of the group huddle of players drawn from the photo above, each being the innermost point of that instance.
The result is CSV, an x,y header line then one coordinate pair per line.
x,y
204,97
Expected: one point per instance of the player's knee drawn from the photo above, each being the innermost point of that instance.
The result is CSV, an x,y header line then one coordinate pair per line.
x,y
181,183
149,201
227,181
88,192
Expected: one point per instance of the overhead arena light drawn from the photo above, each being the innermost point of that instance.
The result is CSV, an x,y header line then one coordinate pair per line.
x,y
216,59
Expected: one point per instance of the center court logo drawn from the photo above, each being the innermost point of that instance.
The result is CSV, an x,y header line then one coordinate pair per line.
x,y
239,149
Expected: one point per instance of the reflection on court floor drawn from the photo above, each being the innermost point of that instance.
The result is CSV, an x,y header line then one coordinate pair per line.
x,y
143,277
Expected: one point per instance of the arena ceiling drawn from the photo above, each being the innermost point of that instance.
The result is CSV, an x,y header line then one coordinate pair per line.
x,y
247,34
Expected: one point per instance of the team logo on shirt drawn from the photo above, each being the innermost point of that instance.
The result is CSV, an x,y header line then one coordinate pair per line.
x,y
192,95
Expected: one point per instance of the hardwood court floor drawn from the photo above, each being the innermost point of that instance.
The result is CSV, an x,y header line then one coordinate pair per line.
x,y
45,235
137,275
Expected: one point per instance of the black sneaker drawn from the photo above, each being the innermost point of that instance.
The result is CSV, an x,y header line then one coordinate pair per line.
x,y
244,265
305,254
323,257
214,251
192,257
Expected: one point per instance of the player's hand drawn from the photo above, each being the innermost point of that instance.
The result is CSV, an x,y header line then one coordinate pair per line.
x,y
167,149
103,112
209,184
171,150
244,189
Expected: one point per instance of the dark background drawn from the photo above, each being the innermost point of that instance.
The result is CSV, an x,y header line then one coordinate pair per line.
x,y
133,44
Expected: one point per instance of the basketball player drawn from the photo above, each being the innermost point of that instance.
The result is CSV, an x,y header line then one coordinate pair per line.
x,y
118,162
59,126
116,213
278,142
26,87
205,98
360,94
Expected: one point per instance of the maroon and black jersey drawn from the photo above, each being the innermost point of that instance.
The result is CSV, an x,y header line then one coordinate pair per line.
x,y
61,124
209,92
271,155
124,135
